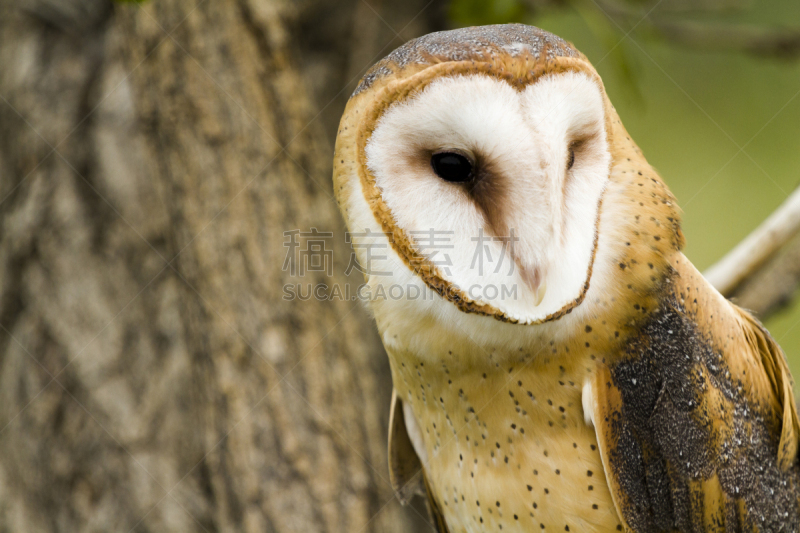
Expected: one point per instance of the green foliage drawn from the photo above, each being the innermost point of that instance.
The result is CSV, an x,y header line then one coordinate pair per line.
x,y
481,12
618,55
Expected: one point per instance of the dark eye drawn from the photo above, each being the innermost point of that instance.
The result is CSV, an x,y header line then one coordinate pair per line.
x,y
570,158
452,167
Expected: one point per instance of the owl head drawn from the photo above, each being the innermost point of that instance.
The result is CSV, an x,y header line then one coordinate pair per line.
x,y
487,168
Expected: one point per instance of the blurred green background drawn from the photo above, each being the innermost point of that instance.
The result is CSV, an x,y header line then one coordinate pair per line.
x,y
721,126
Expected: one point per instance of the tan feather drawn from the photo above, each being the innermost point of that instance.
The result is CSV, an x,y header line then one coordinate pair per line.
x,y
405,468
776,369
607,401
725,389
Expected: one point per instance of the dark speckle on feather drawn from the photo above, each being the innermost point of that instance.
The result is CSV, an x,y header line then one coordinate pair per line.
x,y
664,435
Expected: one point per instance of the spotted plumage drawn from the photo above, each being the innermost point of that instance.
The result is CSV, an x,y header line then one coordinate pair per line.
x,y
616,390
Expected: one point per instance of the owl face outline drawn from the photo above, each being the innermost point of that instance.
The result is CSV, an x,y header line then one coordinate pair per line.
x,y
538,158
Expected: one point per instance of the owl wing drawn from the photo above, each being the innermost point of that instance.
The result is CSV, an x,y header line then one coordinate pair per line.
x,y
405,468
694,440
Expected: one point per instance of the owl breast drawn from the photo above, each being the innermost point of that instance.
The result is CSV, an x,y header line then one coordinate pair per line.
x,y
507,443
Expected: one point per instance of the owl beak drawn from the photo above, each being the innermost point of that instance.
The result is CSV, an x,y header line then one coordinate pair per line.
x,y
540,292
534,279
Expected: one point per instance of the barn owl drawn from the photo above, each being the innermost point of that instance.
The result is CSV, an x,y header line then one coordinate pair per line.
x,y
558,363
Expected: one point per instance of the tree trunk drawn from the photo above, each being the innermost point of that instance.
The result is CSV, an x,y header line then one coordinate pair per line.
x,y
152,375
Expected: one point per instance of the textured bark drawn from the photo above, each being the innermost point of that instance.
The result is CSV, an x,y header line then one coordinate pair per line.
x,y
152,378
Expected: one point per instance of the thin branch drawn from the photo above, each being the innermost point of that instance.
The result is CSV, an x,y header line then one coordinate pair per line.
x,y
773,286
778,42
748,38
754,251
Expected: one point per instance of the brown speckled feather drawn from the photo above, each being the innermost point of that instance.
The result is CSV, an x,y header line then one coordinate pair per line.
x,y
696,420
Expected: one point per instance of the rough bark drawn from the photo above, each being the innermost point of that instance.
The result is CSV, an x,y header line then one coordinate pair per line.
x,y
152,378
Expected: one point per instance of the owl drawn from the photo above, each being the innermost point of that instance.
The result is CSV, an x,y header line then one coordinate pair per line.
x,y
558,364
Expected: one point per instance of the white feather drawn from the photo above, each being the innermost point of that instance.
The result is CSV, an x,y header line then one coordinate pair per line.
x,y
587,400
415,434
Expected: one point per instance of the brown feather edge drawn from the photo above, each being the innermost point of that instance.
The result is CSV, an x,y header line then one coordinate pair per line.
x,y
399,90
777,368
405,486
434,510
404,483
603,387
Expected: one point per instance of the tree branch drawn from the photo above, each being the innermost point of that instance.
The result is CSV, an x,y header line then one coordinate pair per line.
x,y
748,38
740,272
774,286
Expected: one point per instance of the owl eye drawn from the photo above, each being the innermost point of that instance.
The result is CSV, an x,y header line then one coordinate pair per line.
x,y
570,158
452,167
